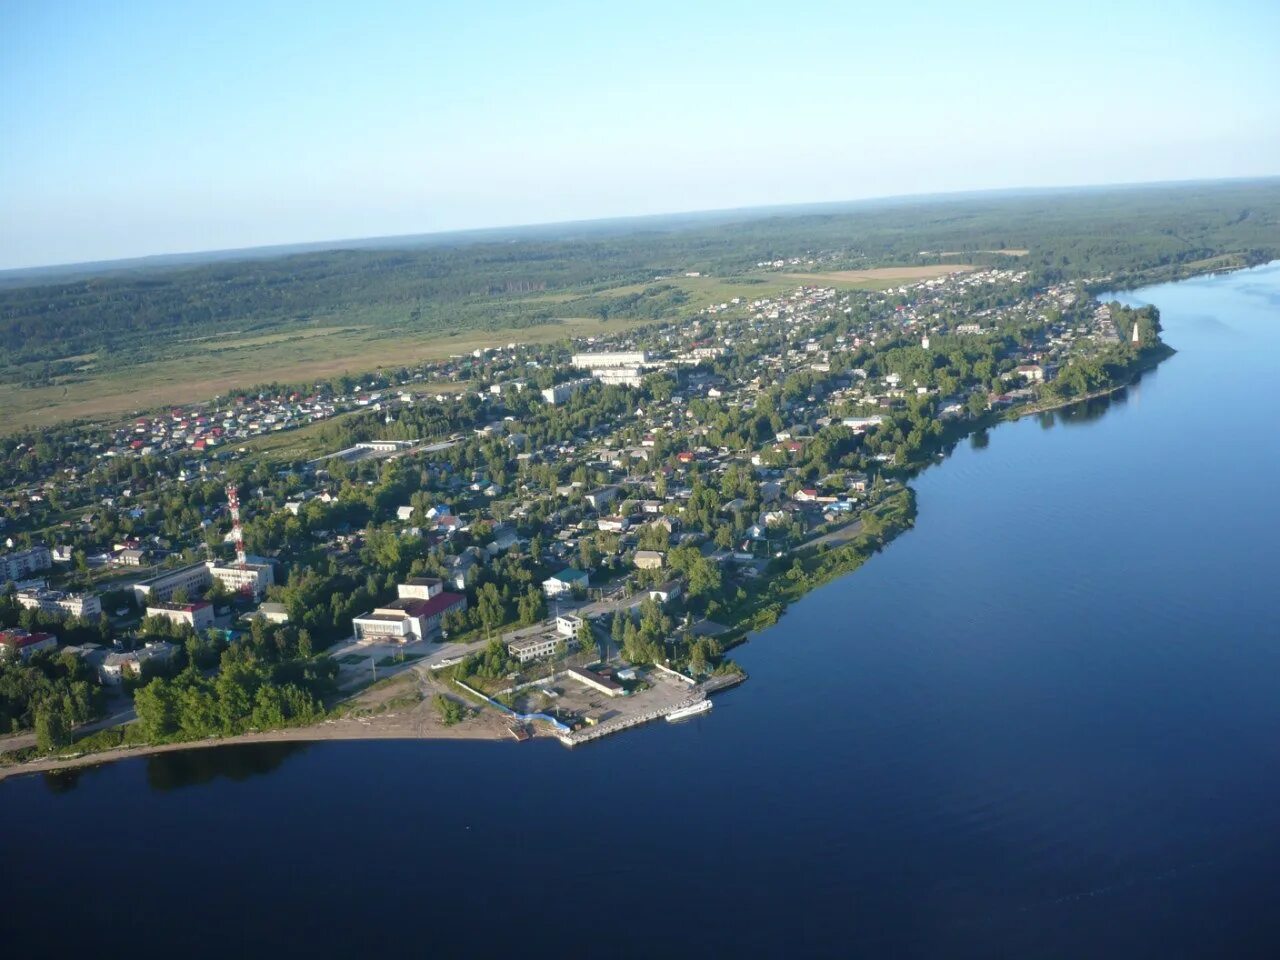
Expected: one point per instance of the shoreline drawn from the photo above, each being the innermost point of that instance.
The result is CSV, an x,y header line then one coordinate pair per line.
x,y
481,727
489,726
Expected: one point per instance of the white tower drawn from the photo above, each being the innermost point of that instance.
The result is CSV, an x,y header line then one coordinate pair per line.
x,y
924,342
1136,338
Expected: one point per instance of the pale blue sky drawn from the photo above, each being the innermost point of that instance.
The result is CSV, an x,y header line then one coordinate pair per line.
x,y
135,127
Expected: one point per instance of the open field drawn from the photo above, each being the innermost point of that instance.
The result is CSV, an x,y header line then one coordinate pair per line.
x,y
877,278
701,291
209,367
283,358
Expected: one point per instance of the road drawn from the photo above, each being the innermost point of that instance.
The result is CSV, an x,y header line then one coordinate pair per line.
x,y
119,711
837,538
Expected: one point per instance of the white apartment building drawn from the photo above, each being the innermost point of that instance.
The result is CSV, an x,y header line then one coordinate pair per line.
x,y
86,605
616,358
23,563
250,578
194,579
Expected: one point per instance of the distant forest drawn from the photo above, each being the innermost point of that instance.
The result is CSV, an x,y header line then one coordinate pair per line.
x,y
490,283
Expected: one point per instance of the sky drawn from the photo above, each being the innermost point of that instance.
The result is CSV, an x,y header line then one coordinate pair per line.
x,y
138,127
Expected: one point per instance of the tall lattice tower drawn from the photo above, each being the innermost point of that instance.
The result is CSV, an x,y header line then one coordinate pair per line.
x,y
233,500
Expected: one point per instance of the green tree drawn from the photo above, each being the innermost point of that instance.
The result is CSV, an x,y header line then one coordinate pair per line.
x,y
52,729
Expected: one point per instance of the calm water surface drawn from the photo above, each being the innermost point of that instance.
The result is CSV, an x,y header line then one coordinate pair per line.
x,y
1046,722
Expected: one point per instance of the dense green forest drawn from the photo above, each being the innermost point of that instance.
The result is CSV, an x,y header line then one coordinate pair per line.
x,y
125,316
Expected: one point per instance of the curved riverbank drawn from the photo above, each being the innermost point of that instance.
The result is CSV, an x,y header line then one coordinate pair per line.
x,y
822,560
410,725
1041,725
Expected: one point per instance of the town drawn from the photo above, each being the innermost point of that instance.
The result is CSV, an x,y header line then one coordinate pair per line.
x,y
564,539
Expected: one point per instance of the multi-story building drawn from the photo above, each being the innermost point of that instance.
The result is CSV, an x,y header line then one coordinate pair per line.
x,y
620,376
407,618
615,358
198,616
194,579
563,391
86,605
23,563
250,578
23,644
534,648
116,665
420,588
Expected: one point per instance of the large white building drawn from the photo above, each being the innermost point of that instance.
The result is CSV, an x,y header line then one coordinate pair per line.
x,y
194,579
616,358
565,582
563,391
614,368
420,588
23,563
86,605
408,618
198,616
534,648
619,376
250,578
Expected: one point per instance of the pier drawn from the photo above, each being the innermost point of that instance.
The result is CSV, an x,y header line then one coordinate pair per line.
x,y
699,693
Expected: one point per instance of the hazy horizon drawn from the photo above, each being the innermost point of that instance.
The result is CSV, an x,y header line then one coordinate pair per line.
x,y
329,243
150,130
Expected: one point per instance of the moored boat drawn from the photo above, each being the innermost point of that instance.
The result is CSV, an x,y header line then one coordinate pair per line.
x,y
702,706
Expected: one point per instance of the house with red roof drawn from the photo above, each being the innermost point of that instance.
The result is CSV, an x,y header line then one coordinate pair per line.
x,y
23,644
407,618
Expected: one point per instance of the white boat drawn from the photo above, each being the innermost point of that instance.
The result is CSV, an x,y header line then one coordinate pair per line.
x,y
702,706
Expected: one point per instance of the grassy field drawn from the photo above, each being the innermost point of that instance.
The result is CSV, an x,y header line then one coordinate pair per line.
x,y
202,368
284,358
198,369
880,278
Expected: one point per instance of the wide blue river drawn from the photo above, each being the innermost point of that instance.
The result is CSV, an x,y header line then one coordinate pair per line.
x,y
1044,723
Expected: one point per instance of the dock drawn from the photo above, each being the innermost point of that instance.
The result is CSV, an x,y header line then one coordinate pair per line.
x,y
699,693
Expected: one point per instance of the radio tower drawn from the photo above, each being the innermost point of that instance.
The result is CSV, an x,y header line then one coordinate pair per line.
x,y
233,500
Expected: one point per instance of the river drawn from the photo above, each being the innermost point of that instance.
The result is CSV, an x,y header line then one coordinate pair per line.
x,y
1045,722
